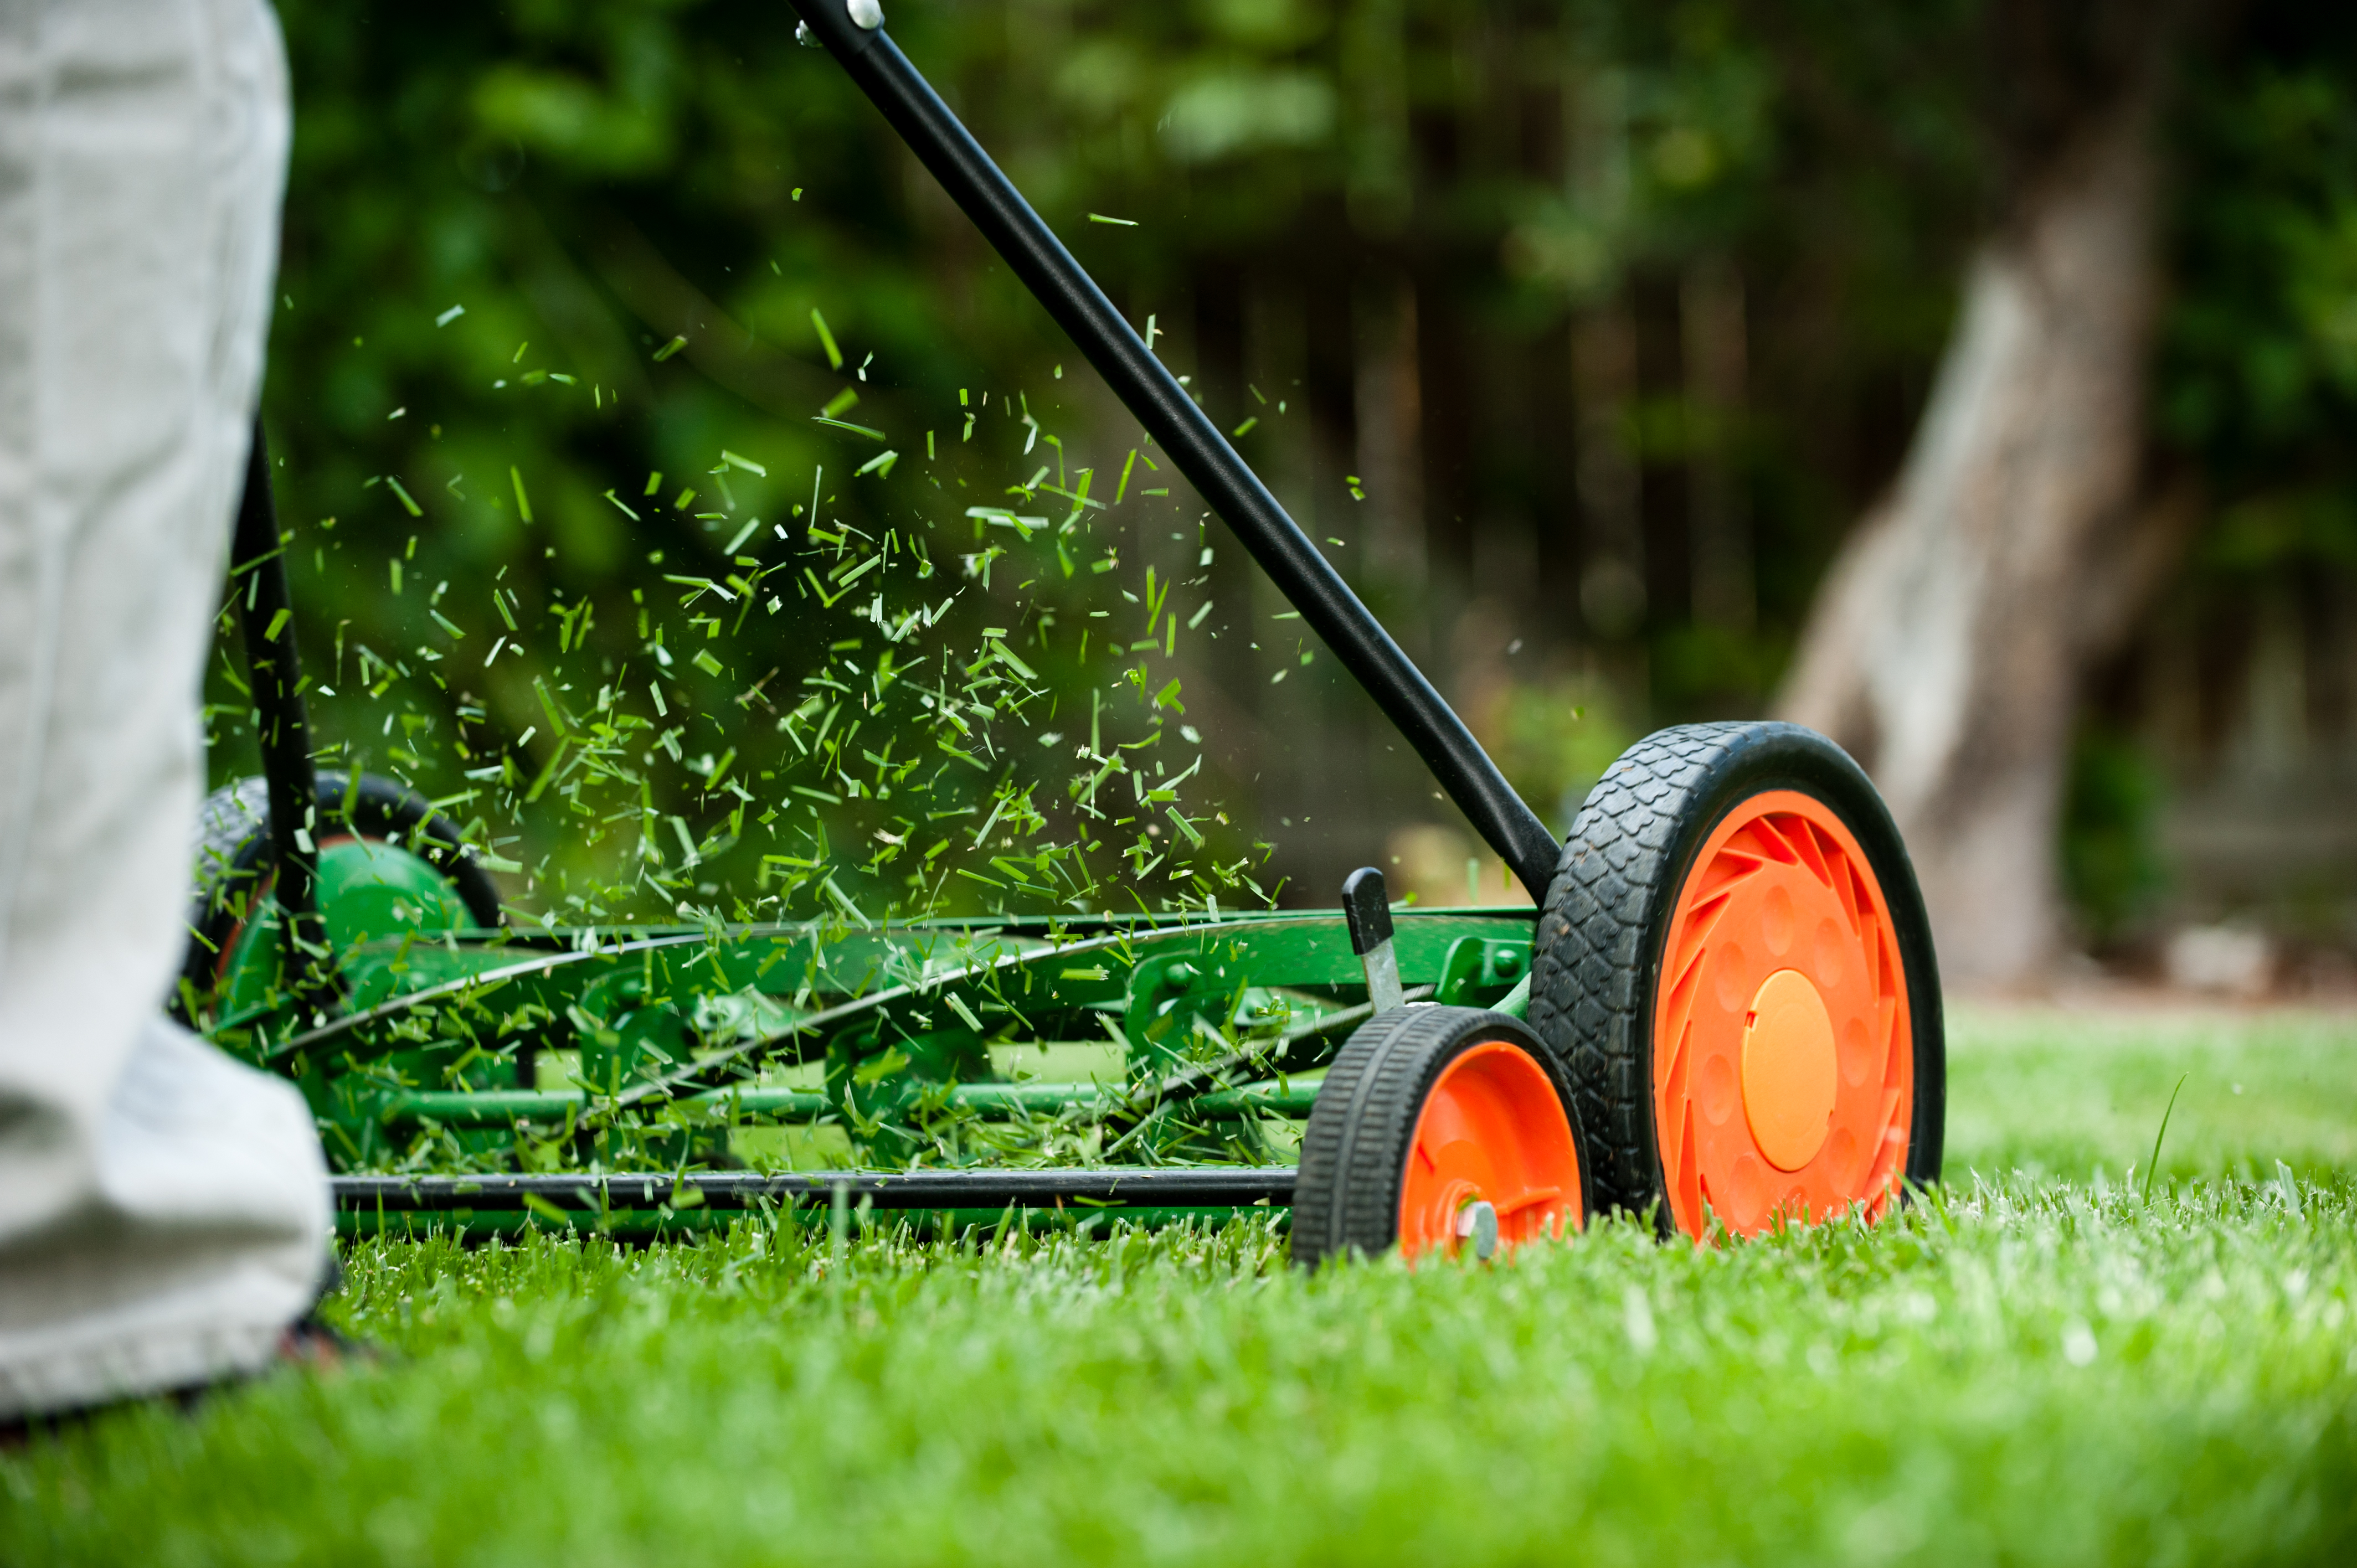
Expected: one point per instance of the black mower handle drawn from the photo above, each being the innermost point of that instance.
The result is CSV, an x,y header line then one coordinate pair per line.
x,y
1150,391
265,608
274,666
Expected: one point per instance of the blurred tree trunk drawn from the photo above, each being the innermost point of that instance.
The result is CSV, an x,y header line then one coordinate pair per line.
x,y
1946,648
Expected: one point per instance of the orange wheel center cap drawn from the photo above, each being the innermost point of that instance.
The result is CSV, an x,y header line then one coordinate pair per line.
x,y
1790,1069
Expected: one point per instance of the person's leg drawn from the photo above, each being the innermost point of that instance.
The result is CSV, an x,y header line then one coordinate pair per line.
x,y
163,1211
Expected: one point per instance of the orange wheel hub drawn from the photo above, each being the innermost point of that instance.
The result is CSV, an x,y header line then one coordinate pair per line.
x,y
1783,1069
1492,1131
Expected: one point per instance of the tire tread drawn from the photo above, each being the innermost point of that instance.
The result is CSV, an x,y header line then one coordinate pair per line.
x,y
1588,959
1591,986
1354,1150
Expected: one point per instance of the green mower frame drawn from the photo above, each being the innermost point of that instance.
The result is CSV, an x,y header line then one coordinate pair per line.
x,y
1468,1079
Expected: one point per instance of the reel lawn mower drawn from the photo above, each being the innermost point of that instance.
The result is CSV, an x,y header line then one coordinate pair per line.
x,y
1725,1010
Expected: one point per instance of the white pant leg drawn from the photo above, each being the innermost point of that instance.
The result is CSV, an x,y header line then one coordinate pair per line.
x,y
163,1210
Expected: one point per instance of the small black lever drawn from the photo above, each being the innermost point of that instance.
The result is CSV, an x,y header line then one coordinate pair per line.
x,y
1367,906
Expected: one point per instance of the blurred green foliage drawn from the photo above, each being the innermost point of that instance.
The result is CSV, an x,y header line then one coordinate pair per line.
x,y
2258,376
549,251
2254,397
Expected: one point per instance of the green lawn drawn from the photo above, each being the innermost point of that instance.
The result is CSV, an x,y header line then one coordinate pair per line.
x,y
2037,1367
2061,1094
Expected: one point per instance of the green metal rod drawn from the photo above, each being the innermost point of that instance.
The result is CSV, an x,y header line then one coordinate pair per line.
x,y
476,1224
499,1107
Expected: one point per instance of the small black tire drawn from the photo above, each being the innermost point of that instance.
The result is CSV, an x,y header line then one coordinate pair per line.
x,y
1363,1134
1598,957
233,858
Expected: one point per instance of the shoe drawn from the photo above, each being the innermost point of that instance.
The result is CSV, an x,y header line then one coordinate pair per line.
x,y
310,1343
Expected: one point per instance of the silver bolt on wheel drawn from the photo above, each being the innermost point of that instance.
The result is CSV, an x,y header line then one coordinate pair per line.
x,y
1478,1222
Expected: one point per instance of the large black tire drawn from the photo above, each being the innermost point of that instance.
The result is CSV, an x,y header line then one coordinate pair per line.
x,y
1362,1132
235,858
1597,961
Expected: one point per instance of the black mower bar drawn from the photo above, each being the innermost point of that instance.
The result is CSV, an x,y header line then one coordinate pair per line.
x,y
266,624
944,146
1169,1186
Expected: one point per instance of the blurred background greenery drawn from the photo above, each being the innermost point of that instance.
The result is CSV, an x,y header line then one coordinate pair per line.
x,y
1581,332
